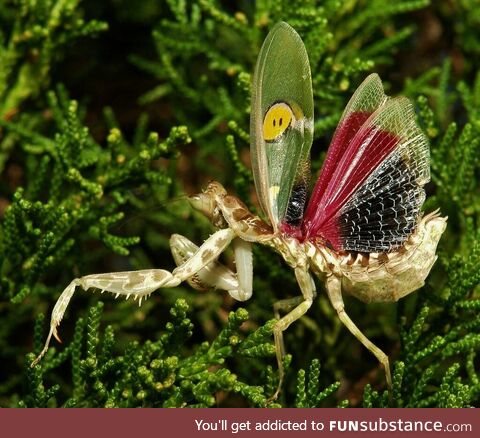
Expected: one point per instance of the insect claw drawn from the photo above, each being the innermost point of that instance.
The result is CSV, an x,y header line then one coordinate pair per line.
x,y
127,297
117,295
55,335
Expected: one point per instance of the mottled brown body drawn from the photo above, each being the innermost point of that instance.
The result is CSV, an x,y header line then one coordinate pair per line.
x,y
373,277
370,277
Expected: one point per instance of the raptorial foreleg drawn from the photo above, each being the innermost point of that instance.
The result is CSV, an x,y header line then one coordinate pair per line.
x,y
215,275
335,295
139,284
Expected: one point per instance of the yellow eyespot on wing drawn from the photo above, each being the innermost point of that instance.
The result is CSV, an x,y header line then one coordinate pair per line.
x,y
276,121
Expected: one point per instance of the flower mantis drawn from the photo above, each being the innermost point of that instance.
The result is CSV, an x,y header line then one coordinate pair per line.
x,y
360,232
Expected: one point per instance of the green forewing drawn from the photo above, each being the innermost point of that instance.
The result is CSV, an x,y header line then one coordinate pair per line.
x,y
281,166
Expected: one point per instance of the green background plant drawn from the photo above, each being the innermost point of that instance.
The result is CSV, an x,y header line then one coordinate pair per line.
x,y
111,112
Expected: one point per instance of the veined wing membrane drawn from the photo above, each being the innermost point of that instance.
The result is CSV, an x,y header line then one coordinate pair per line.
x,y
368,97
372,202
281,125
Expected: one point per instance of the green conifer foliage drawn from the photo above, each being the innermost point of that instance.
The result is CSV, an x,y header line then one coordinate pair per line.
x,y
89,183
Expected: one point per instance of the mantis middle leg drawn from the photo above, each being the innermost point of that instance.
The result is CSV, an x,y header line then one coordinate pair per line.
x,y
303,303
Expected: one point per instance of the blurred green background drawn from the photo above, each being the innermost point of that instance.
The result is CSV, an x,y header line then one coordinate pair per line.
x,y
111,112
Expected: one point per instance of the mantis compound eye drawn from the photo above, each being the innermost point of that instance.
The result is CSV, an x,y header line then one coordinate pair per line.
x,y
203,203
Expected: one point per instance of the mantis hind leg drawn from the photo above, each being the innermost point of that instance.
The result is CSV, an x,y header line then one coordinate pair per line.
x,y
335,296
